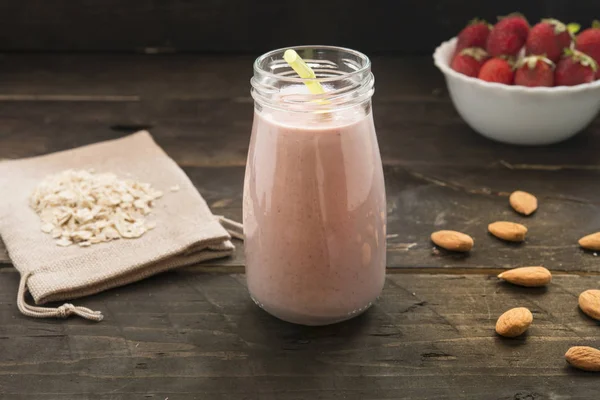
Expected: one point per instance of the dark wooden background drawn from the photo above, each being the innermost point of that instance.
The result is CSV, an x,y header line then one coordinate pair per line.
x,y
194,333
242,26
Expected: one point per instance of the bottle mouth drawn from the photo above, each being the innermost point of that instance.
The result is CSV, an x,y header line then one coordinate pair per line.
x,y
344,73
330,63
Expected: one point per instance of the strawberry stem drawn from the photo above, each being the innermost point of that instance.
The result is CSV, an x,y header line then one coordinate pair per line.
x,y
475,52
558,26
531,61
582,58
573,28
478,20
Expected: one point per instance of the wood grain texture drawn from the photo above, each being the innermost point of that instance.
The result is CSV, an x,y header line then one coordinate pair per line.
x,y
188,333
195,334
239,26
425,199
199,109
439,173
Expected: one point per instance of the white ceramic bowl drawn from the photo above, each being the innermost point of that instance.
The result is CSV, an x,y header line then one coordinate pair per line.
x,y
518,114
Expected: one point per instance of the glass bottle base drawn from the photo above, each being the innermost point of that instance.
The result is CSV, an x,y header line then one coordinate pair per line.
x,y
311,320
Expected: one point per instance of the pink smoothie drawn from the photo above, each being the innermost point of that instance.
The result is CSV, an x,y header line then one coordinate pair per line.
x,y
314,215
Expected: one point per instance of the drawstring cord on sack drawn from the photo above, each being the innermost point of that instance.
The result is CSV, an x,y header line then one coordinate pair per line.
x,y
63,311
235,229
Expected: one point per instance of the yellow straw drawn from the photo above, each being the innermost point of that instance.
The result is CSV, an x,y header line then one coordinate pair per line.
x,y
302,69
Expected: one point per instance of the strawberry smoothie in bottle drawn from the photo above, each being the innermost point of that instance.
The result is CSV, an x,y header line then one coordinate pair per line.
x,y
314,195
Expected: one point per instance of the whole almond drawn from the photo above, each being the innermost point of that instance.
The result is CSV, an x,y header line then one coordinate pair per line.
x,y
452,240
589,302
584,357
523,202
527,276
509,231
590,242
514,322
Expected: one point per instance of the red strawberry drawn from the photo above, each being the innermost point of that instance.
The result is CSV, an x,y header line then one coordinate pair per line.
x,y
469,61
497,70
508,36
535,71
588,42
550,37
575,68
473,35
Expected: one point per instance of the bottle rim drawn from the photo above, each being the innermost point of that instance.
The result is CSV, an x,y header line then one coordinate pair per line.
x,y
365,64
347,73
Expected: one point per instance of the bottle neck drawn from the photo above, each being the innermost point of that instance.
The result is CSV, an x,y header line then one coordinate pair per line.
x,y
344,74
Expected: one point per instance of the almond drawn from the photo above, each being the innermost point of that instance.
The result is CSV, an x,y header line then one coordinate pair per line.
x,y
527,276
509,231
591,242
589,302
523,202
452,240
584,357
514,322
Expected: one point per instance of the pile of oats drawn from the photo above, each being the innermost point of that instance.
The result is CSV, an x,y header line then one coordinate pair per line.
x,y
82,207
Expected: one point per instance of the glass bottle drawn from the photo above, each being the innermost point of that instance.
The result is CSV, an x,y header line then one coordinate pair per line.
x,y
314,195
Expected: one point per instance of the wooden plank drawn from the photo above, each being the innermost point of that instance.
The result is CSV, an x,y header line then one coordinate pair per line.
x,y
181,76
199,110
187,333
238,26
216,133
424,199
151,77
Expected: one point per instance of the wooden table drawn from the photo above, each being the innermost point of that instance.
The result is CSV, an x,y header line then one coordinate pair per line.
x,y
195,334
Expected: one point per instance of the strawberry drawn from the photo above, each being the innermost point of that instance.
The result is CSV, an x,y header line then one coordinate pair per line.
x,y
575,68
473,35
469,61
550,37
535,71
508,36
588,42
497,70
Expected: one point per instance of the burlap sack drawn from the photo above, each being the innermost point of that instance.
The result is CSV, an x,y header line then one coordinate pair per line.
x,y
186,232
